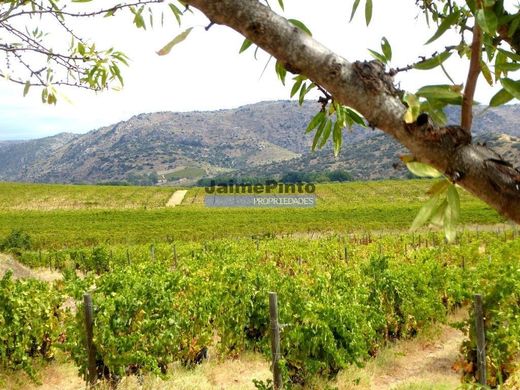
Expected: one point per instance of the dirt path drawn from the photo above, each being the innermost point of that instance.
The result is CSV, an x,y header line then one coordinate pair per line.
x,y
177,198
424,362
21,271
430,363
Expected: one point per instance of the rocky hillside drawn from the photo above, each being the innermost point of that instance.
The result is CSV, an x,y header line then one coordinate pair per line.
x,y
266,138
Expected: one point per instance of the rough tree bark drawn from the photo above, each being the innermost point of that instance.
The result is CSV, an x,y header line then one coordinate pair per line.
x,y
366,87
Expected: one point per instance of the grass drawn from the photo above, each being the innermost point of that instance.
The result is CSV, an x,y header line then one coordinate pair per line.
x,y
233,374
359,206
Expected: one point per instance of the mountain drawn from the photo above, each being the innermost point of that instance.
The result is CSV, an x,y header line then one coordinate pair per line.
x,y
262,139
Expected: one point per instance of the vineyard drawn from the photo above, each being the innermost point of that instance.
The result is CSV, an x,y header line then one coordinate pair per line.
x,y
137,215
342,300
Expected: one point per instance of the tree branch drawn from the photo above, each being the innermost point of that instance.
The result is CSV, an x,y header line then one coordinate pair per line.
x,y
40,10
366,87
471,81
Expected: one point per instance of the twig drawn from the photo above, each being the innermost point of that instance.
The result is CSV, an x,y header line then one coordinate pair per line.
x,y
394,71
42,11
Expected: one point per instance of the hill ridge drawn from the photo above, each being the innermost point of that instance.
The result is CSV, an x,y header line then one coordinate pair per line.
x,y
265,138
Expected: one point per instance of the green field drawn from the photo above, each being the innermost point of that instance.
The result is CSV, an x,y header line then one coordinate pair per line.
x,y
131,215
50,197
166,280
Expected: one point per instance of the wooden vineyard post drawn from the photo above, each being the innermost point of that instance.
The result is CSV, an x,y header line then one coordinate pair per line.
x,y
275,340
481,340
128,256
174,256
152,252
91,349
345,249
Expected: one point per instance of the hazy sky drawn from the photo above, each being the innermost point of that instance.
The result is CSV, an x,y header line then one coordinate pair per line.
x,y
206,73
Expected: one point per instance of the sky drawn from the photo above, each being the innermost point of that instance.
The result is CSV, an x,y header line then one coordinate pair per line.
x,y
205,72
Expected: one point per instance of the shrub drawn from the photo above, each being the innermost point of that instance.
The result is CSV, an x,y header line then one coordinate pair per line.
x,y
16,240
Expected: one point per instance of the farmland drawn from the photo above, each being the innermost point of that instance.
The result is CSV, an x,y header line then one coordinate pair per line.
x,y
51,197
169,284
131,215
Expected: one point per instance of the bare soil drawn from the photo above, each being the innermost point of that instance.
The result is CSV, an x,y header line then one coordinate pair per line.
x,y
7,262
424,362
177,198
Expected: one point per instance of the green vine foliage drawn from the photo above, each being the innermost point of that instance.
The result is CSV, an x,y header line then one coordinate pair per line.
x,y
30,321
334,312
340,302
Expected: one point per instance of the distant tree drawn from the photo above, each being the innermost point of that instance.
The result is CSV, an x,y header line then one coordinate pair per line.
x,y
145,179
353,92
339,175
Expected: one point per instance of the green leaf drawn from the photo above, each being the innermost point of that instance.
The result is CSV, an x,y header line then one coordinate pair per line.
x,y
500,59
439,187
441,92
414,108
437,218
354,9
513,26
300,25
177,12
280,71
501,97
486,72
378,56
434,108
81,48
511,86
326,134
280,2
245,45
507,67
454,202
319,132
426,212
340,113
110,12
368,11
451,214
337,138
387,49
487,20
178,39
315,121
296,86
26,88
138,17
433,62
444,26
355,116
422,170
303,91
